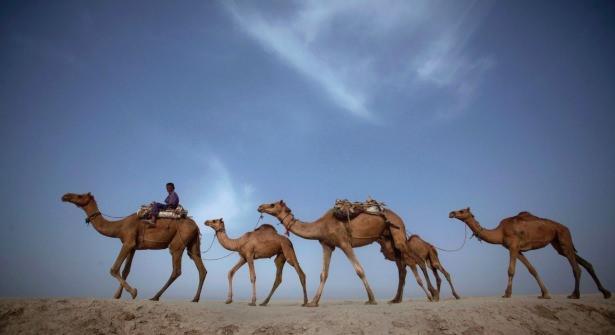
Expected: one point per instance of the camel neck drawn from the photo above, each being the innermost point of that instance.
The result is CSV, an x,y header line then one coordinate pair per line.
x,y
227,242
104,227
310,231
493,236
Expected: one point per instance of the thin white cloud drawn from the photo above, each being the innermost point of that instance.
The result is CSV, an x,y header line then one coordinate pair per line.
x,y
219,196
356,50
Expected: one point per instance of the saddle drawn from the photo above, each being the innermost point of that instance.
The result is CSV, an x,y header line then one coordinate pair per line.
x,y
176,213
346,210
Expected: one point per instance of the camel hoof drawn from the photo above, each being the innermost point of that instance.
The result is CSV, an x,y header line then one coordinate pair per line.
x,y
544,296
371,302
506,296
606,294
154,299
252,304
311,304
133,293
574,296
263,304
457,297
228,301
195,300
394,301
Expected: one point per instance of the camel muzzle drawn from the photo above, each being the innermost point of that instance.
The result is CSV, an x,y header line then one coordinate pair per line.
x,y
451,215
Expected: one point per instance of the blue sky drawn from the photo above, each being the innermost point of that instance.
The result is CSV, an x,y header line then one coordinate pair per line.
x,y
429,106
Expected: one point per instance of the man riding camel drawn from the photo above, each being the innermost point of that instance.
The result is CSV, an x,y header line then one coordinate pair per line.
x,y
170,202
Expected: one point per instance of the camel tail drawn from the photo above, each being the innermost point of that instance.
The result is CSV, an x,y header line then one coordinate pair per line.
x,y
197,241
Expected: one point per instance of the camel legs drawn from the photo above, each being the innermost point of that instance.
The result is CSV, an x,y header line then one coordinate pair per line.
x,y
511,271
399,241
176,255
195,254
587,265
448,278
291,258
438,279
420,282
125,272
279,266
252,280
401,270
347,249
533,272
231,273
115,269
326,259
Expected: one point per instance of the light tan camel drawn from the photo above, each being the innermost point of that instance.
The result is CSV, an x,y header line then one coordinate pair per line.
x,y
332,233
263,242
525,232
423,250
176,235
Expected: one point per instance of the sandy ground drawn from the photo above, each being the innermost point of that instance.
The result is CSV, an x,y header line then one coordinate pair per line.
x,y
485,315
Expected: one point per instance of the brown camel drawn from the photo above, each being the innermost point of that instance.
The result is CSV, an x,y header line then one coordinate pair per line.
x,y
135,234
426,252
263,242
525,232
332,233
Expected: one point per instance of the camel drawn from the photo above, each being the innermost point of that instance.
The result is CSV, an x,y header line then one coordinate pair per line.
x,y
263,242
426,252
332,233
525,232
135,234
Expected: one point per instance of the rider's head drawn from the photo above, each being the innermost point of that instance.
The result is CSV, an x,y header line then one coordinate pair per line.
x,y
170,187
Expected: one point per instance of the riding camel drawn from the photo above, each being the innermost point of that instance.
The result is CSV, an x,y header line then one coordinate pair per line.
x,y
135,234
332,233
525,232
426,252
263,242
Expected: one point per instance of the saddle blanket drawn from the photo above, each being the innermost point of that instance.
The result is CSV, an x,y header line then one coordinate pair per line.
x,y
178,213
345,209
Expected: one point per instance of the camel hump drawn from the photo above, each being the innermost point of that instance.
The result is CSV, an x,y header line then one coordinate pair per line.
x,y
413,236
525,215
266,226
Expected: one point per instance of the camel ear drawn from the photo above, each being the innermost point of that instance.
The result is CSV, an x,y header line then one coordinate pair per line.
x,y
89,194
468,209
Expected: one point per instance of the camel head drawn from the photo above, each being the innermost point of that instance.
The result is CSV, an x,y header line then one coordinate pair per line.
x,y
274,209
80,200
215,224
461,214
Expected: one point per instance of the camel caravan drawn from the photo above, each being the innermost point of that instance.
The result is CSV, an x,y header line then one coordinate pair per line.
x,y
347,225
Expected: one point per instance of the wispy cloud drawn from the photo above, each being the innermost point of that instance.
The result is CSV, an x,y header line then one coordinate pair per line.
x,y
219,196
357,50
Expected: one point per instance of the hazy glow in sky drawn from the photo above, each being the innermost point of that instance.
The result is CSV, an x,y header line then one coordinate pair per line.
x,y
429,106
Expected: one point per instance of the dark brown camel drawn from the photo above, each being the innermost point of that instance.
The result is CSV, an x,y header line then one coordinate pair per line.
x,y
525,232
332,233
176,235
426,252
263,242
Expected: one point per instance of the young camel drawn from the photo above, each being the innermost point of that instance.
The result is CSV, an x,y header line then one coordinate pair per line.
x,y
263,242
176,235
525,232
332,233
426,252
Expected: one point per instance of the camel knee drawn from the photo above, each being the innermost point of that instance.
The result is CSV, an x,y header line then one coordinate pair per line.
x,y
360,273
114,272
176,273
323,276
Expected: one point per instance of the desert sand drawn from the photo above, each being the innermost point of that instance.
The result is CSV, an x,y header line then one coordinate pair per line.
x,y
472,315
